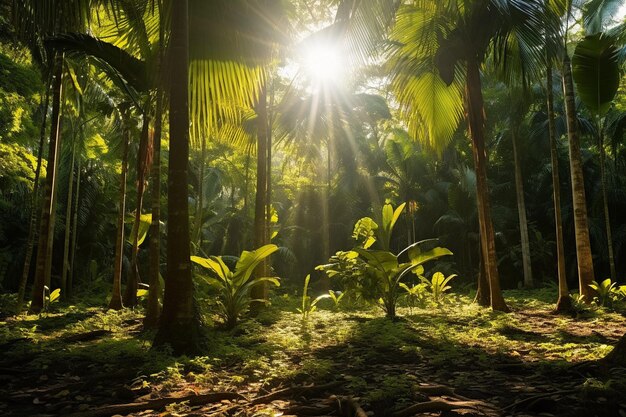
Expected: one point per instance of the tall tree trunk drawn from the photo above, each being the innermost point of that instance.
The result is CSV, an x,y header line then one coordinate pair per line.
x,y
564,303
259,292
32,224
143,163
605,199
482,293
583,246
268,197
46,225
70,280
245,197
197,234
179,325
116,296
521,212
154,308
68,227
476,123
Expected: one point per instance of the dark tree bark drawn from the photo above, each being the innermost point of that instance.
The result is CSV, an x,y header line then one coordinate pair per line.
x,y
583,246
179,325
259,292
605,200
482,293
154,308
68,227
521,212
32,232
476,123
143,163
46,225
116,295
564,303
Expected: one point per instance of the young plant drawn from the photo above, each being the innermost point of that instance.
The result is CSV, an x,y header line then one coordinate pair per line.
x,y
336,296
606,291
367,231
384,271
308,306
438,285
50,297
346,269
415,294
234,286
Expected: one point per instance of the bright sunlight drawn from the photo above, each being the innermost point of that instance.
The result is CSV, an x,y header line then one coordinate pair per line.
x,y
323,63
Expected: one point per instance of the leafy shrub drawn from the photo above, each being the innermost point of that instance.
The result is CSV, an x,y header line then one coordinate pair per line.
x,y
438,285
234,286
607,292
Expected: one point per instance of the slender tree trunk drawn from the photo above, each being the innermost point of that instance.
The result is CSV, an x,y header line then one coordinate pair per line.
x,y
605,199
200,198
482,293
268,198
68,227
154,308
46,231
245,197
564,303
179,325
32,225
259,292
143,163
70,280
476,122
521,211
583,246
116,296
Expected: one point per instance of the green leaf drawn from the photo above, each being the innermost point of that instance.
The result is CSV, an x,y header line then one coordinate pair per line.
x,y
249,260
144,226
430,255
595,68
214,264
141,293
54,295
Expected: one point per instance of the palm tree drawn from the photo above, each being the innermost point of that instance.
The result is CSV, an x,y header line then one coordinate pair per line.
x,y
116,302
564,303
438,44
179,324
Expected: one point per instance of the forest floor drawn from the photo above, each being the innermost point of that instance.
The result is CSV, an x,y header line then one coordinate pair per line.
x,y
458,359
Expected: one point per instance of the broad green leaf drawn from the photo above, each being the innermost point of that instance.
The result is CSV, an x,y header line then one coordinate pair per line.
x,y
596,72
430,255
396,215
54,295
249,260
385,261
141,293
214,264
144,225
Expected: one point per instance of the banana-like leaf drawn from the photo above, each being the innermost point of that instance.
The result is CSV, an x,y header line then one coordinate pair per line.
x,y
595,68
145,221
214,264
249,260
384,261
422,258
55,295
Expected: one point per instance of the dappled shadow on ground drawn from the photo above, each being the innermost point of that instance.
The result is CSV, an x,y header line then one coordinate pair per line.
x,y
524,363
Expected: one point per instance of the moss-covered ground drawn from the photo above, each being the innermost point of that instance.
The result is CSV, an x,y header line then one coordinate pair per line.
x,y
530,362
